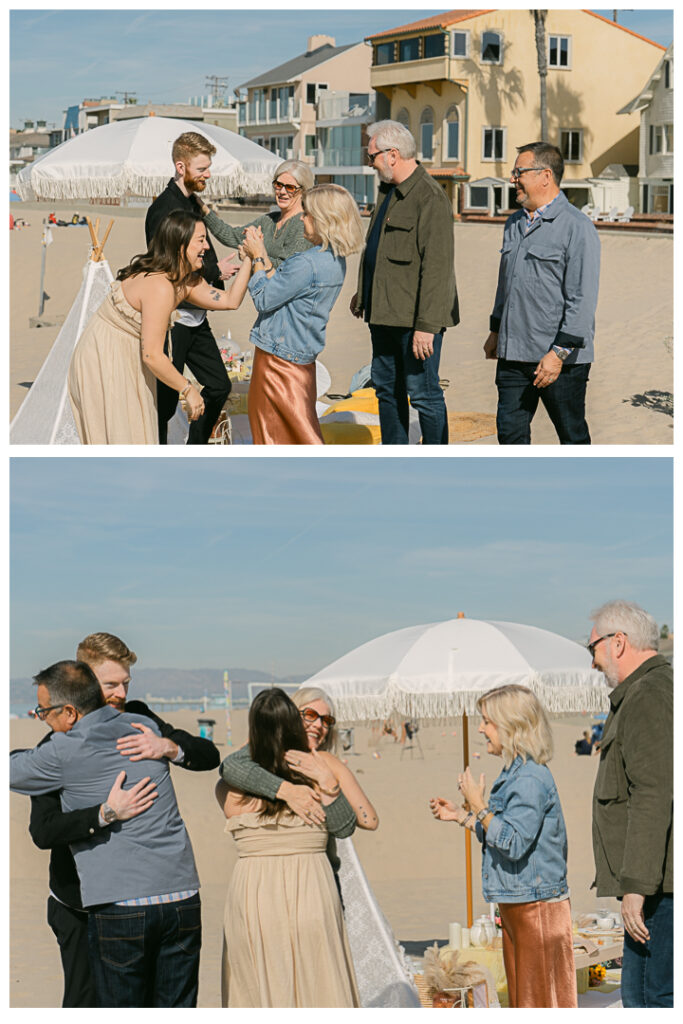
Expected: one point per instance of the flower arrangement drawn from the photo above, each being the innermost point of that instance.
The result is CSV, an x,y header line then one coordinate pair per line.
x,y
596,974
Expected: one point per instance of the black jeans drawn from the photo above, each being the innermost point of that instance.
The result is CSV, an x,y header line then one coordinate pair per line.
x,y
146,956
195,347
564,401
71,930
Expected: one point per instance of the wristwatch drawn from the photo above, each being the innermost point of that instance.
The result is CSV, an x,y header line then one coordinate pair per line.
x,y
108,813
561,353
482,813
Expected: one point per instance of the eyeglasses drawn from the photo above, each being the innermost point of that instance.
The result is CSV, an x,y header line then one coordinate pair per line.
x,y
42,713
591,647
517,172
309,715
373,156
289,189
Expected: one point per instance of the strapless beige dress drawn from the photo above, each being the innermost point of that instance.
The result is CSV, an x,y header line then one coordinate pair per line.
x,y
112,393
285,943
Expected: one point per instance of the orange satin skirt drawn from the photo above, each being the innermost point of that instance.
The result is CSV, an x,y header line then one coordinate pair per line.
x,y
282,399
538,953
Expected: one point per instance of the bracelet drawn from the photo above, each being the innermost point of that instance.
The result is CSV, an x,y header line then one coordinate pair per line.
x,y
185,390
464,823
330,792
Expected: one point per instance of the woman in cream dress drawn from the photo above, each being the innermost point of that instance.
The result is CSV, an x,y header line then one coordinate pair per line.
x,y
285,940
120,355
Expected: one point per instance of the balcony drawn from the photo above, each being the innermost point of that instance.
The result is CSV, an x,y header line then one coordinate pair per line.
x,y
354,157
269,112
415,72
338,107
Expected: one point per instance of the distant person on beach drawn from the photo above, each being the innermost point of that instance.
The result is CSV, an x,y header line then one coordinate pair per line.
x,y
285,941
294,303
283,230
633,797
406,286
524,848
543,319
584,745
53,829
120,361
380,973
193,343
138,877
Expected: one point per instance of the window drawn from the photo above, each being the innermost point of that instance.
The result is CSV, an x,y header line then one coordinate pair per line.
x,y
409,49
385,53
558,51
667,74
310,145
661,138
433,46
493,147
479,197
571,145
491,48
427,134
403,117
461,44
310,92
452,134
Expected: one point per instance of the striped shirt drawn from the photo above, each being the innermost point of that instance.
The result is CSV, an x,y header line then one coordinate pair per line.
x,y
535,215
152,901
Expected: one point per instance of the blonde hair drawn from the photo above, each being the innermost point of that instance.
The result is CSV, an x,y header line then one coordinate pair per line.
x,y
190,144
303,697
301,172
522,723
336,218
99,647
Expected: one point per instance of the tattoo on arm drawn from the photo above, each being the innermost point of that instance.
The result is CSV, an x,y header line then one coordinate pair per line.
x,y
215,294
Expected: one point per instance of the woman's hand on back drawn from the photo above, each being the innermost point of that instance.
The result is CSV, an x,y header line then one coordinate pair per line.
x,y
312,766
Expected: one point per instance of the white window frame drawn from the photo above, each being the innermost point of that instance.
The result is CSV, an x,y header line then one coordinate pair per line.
x,y
570,52
664,132
432,124
492,63
466,34
579,132
494,159
487,189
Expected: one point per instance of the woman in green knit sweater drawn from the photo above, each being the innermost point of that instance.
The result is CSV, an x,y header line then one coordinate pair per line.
x,y
283,230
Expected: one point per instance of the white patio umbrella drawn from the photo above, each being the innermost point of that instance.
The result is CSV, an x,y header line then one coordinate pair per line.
x,y
439,670
133,158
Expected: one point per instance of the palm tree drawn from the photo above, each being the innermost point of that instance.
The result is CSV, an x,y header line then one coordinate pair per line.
x,y
542,59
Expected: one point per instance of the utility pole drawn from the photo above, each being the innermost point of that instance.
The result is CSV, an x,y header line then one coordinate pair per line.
x,y
128,97
218,88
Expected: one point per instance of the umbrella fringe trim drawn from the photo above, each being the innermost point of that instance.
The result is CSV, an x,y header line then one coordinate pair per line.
x,y
237,183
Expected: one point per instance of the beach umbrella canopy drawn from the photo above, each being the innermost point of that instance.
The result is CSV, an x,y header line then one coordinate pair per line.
x,y
132,157
440,669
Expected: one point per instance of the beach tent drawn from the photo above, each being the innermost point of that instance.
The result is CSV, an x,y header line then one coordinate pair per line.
x,y
439,670
132,157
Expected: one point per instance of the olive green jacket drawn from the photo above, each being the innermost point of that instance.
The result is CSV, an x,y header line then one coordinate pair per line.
x,y
633,795
414,281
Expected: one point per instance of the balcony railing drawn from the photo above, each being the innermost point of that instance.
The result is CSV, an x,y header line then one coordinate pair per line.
x,y
269,112
340,157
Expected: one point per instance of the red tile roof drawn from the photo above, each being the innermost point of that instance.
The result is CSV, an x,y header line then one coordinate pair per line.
x,y
437,21
447,172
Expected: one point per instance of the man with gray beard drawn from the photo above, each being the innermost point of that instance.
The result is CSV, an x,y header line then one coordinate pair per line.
x,y
633,797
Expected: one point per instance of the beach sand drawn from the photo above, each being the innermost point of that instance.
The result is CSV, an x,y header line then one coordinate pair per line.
x,y
629,393
414,863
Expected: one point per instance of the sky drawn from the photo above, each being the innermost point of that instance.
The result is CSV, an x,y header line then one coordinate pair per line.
x,y
57,58
285,564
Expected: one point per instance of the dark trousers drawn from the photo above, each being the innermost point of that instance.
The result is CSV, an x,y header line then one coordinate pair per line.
x,y
195,347
647,973
146,956
71,930
564,401
397,375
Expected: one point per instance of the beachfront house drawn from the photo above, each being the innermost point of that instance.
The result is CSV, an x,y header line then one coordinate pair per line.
x,y
655,106
29,142
466,83
279,108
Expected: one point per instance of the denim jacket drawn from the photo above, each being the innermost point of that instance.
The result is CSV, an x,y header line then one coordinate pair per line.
x,y
525,846
294,304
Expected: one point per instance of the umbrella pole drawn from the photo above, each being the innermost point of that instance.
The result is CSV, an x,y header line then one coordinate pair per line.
x,y
468,834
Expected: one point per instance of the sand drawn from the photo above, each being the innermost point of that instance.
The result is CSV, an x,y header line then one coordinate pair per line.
x,y
414,863
629,394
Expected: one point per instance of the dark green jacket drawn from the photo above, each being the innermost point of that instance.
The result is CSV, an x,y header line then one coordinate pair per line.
x,y
414,281
633,795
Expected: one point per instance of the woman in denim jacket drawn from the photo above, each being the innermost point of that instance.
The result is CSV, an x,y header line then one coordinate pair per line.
x,y
294,303
524,848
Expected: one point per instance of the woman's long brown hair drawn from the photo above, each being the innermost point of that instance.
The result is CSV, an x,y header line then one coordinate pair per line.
x,y
167,252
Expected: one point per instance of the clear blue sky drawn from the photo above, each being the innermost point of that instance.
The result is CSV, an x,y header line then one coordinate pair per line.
x,y
60,57
283,564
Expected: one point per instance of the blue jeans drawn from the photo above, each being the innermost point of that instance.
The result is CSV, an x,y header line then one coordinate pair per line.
x,y
647,973
397,375
146,956
564,401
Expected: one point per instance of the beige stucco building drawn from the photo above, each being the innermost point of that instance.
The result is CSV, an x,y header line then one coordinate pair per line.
x,y
466,83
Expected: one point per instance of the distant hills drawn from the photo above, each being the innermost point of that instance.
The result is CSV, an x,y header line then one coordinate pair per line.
x,y
168,682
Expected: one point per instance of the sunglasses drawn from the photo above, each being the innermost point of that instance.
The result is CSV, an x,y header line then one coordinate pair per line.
x,y
289,189
309,715
591,647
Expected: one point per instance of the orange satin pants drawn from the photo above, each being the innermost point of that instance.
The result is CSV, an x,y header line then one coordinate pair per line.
x,y
538,953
